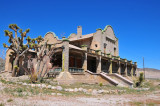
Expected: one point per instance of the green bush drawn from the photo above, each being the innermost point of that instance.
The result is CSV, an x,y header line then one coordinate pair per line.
x,y
101,84
9,100
34,77
1,104
19,90
140,79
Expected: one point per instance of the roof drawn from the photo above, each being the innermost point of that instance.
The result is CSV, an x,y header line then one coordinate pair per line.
x,y
74,47
83,37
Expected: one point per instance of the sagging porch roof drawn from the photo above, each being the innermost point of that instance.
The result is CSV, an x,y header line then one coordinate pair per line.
x,y
74,47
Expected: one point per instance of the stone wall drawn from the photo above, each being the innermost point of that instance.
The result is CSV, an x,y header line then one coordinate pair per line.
x,y
109,38
90,78
105,37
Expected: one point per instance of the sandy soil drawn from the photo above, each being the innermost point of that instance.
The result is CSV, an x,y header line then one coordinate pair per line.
x,y
105,100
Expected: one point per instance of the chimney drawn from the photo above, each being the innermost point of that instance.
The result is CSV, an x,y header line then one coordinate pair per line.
x,y
79,32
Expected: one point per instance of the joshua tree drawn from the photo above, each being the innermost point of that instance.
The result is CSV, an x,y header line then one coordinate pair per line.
x,y
17,45
19,50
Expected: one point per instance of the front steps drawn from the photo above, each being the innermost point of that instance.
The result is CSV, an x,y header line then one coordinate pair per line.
x,y
108,78
117,80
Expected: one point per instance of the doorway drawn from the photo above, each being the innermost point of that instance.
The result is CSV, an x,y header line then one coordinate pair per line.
x,y
91,64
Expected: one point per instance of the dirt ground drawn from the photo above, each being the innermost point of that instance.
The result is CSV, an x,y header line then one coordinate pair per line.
x,y
43,97
106,100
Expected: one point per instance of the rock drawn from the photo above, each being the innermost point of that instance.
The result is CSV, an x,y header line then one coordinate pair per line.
x,y
53,87
24,93
49,86
100,91
43,86
66,90
105,91
70,90
146,89
20,82
59,88
94,92
89,90
53,83
24,84
59,94
84,90
39,85
80,89
75,89
53,93
33,85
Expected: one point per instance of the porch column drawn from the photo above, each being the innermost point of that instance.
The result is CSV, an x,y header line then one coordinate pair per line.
x,y
119,68
125,69
131,70
99,65
85,61
65,55
135,71
110,67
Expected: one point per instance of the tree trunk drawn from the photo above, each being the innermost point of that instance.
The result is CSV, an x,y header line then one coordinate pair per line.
x,y
14,69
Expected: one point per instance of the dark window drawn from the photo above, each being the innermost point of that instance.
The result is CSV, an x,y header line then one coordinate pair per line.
x,y
96,45
114,51
105,45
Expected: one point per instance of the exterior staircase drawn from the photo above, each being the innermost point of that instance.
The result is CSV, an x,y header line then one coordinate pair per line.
x,y
108,78
117,80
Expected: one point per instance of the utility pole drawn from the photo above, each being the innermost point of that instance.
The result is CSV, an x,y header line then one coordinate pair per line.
x,y
143,68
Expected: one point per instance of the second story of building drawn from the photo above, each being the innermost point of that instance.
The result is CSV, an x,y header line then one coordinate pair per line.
x,y
104,40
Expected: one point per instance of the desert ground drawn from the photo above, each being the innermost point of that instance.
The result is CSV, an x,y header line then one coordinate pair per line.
x,y
19,91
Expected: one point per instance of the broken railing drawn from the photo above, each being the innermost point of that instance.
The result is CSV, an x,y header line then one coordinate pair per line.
x,y
75,70
71,70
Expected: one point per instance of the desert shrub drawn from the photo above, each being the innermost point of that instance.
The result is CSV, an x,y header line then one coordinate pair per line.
x,y
9,100
1,104
101,84
140,79
19,90
34,77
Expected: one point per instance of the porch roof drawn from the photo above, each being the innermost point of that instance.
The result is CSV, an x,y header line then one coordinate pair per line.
x,y
74,47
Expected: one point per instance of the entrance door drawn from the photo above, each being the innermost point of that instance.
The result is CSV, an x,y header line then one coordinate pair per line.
x,y
91,64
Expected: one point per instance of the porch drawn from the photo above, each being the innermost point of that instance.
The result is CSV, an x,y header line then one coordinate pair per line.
x,y
77,60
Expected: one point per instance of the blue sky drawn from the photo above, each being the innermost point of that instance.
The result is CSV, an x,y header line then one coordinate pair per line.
x,y
135,22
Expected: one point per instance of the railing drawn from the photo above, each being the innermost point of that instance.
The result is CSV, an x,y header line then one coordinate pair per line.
x,y
71,70
75,70
122,73
58,69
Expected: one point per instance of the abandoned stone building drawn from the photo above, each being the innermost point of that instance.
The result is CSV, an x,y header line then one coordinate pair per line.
x,y
91,58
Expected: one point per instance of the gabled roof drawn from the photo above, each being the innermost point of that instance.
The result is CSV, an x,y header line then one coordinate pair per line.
x,y
54,35
83,37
